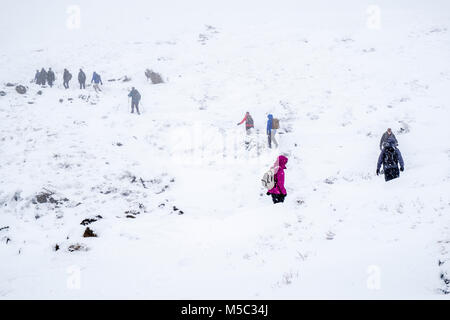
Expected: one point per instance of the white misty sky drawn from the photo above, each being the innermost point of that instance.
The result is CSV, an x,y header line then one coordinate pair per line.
x,y
34,23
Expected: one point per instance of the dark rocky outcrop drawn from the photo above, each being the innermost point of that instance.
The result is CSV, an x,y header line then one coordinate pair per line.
x,y
21,89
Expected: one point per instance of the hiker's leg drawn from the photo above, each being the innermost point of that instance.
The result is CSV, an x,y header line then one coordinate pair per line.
x,y
137,107
395,173
388,175
273,138
269,138
274,198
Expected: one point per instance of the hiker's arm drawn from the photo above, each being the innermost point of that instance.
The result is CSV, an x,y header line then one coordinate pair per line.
x,y
400,158
280,182
380,160
245,118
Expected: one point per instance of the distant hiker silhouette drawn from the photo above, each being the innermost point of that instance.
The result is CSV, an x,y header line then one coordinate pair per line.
x,y
248,122
388,134
96,79
272,126
82,79
50,77
67,76
135,98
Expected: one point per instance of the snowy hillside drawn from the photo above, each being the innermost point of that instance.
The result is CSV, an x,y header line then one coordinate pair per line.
x,y
174,195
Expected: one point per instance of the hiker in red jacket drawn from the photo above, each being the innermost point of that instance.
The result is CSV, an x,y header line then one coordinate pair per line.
x,y
248,122
279,191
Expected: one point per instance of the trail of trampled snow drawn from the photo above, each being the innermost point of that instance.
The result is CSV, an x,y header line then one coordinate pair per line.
x,y
178,190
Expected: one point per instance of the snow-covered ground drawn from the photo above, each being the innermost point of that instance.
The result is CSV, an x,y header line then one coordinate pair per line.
x,y
183,213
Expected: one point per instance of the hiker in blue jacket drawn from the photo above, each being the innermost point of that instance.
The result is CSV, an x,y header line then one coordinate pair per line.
x,y
271,132
390,157
96,79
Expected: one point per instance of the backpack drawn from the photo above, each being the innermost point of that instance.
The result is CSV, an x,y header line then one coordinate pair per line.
x,y
249,121
69,76
390,157
268,180
275,123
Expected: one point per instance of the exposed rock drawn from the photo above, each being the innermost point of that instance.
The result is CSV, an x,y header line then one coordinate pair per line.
x,y
21,89
39,93
45,197
126,79
48,197
153,76
180,212
88,233
77,247
2,93
56,247
132,212
9,84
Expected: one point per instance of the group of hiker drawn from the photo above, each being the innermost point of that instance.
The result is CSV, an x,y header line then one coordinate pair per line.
x,y
44,77
390,157
273,124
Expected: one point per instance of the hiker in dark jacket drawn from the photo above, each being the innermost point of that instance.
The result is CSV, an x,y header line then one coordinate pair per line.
x,y
50,77
82,79
390,157
248,122
388,134
42,77
37,77
135,98
96,79
67,76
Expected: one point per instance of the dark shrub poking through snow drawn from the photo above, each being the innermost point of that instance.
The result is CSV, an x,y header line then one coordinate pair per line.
x,y
88,221
77,247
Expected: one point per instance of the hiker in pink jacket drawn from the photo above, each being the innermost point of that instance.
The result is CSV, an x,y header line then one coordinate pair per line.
x,y
279,191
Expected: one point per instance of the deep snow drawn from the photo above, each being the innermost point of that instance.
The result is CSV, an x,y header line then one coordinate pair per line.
x,y
334,83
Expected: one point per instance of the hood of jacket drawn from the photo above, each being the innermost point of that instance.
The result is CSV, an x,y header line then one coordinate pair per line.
x,y
281,161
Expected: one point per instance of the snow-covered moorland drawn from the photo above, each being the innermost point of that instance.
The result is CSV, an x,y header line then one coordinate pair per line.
x,y
174,195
